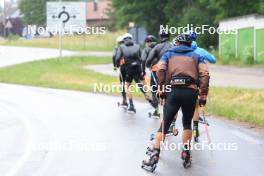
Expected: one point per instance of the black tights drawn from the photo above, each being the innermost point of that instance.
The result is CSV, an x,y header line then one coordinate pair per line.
x,y
184,98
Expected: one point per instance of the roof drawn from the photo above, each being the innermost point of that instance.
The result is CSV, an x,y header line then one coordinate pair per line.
x,y
100,13
247,21
254,15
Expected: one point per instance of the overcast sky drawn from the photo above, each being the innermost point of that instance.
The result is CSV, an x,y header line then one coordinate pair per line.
x,y
2,2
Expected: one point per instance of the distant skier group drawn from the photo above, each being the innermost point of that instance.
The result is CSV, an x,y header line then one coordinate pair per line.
x,y
179,65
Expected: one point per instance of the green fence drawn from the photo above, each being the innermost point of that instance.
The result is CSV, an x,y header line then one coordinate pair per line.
x,y
227,47
260,45
245,45
240,46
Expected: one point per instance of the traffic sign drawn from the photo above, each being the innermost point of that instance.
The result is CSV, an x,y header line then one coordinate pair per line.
x,y
9,25
68,14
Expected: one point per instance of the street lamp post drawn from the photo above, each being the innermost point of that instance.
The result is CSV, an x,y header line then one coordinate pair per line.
x,y
4,19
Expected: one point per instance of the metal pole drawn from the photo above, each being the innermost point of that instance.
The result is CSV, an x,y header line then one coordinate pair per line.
x,y
4,19
236,43
60,41
255,45
60,37
219,43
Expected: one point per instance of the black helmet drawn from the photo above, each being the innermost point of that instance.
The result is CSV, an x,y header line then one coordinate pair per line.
x,y
164,34
150,38
184,38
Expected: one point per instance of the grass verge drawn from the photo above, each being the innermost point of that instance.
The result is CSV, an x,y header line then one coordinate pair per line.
x,y
104,42
237,104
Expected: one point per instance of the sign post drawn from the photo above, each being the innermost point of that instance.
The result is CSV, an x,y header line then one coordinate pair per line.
x,y
61,16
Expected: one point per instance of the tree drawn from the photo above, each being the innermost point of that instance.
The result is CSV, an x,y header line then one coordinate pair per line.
x,y
153,13
146,13
34,11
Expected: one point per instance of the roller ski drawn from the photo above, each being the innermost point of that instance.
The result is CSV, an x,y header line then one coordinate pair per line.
x,y
151,164
187,159
131,109
122,105
203,121
173,130
154,115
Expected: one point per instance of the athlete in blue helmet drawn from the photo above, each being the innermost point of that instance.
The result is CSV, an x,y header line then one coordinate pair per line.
x,y
211,59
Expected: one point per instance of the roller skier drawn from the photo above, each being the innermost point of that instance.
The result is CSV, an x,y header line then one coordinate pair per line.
x,y
181,69
122,71
129,55
150,43
209,58
152,61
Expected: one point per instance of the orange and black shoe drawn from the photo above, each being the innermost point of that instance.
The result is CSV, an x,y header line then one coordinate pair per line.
x,y
187,158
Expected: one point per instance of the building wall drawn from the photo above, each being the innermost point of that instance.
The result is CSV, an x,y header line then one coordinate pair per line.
x,y
227,45
245,45
260,45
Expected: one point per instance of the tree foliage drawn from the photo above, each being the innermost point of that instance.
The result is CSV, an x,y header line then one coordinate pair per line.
x,y
153,13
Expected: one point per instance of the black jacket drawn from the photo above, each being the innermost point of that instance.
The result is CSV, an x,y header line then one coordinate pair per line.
x,y
114,56
145,54
130,52
156,53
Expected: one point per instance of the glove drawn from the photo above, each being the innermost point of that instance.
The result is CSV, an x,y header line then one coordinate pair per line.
x,y
114,68
202,101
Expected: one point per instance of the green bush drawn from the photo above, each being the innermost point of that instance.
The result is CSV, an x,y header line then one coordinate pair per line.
x,y
12,37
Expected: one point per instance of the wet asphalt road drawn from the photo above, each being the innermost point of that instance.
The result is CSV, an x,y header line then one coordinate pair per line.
x,y
47,132
10,55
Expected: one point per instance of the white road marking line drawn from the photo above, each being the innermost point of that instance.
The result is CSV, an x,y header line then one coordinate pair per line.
x,y
29,144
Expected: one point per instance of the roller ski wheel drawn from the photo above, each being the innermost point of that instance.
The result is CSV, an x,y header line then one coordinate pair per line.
x,y
151,164
122,105
175,132
149,115
149,168
154,115
187,159
131,111
187,164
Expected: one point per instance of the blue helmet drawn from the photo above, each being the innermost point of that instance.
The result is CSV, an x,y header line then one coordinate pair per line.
x,y
193,35
183,38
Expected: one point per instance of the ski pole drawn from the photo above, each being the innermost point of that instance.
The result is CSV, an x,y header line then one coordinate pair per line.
x,y
154,78
206,126
161,108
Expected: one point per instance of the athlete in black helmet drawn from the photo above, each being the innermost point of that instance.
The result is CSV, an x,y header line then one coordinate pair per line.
x,y
150,43
151,62
129,56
